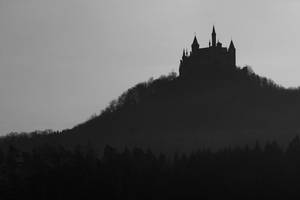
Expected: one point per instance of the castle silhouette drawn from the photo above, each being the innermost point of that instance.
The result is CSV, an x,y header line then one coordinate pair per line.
x,y
212,59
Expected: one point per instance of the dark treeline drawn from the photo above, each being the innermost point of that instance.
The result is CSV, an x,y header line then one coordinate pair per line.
x,y
54,172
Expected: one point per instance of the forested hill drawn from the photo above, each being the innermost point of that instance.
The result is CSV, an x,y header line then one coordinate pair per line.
x,y
180,114
175,114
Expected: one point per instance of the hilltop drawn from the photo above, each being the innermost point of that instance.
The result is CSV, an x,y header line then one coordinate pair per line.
x,y
211,103
170,112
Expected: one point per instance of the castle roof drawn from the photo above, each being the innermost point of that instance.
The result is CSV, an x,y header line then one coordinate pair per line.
x,y
231,46
195,41
214,31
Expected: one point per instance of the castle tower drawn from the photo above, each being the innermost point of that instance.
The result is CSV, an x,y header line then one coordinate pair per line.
x,y
214,37
231,51
195,45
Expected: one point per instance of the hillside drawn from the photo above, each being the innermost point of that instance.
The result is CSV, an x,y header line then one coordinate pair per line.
x,y
174,114
169,114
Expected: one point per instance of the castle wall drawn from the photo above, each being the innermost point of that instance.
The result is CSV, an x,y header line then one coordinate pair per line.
x,y
205,58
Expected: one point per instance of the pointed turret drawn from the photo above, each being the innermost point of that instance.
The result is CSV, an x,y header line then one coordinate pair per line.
x,y
214,37
195,45
231,46
231,51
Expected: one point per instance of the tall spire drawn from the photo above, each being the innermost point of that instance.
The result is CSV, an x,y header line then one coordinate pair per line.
x,y
231,51
213,37
195,44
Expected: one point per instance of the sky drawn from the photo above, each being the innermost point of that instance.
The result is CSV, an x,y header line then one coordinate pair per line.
x,y
62,61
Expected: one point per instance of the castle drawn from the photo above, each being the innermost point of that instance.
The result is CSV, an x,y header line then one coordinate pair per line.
x,y
211,59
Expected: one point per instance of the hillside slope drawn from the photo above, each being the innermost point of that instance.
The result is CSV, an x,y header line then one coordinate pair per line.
x,y
173,114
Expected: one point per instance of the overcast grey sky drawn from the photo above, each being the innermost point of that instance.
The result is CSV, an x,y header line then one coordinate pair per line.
x,y
63,60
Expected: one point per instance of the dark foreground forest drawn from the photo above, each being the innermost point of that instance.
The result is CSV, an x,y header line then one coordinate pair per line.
x,y
53,172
